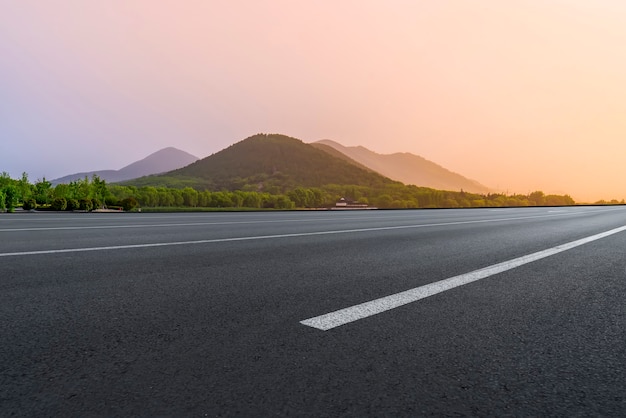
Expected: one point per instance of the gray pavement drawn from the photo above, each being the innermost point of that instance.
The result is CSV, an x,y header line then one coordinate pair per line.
x,y
199,314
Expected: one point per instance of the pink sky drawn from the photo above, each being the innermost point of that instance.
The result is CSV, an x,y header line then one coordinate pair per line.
x,y
519,95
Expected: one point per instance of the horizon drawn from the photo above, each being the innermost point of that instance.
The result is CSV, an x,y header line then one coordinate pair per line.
x,y
89,173
517,96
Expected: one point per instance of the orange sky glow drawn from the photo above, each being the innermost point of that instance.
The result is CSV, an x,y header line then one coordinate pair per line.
x,y
518,95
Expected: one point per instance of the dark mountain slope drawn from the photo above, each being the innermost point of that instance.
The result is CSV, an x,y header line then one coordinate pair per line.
x,y
263,162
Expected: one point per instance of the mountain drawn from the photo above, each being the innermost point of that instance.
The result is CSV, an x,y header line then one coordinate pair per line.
x,y
269,163
335,153
406,168
159,162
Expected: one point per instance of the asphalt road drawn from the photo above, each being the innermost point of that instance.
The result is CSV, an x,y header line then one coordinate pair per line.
x,y
202,314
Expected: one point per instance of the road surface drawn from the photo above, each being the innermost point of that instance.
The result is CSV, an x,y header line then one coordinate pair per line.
x,y
517,312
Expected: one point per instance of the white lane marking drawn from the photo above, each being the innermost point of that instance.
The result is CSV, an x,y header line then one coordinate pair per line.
x,y
250,238
210,241
258,237
71,228
57,228
374,307
216,240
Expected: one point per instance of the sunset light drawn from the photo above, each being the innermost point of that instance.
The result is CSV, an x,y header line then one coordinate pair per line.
x,y
517,95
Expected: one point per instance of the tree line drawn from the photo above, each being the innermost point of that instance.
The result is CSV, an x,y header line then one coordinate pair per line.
x,y
84,194
93,193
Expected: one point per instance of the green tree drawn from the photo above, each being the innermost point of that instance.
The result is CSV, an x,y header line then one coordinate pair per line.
x,y
450,203
204,199
10,197
384,201
221,200
61,191
129,203
29,204
165,198
318,197
537,198
178,197
59,203
5,180
252,200
557,200
237,198
99,189
149,196
24,188
42,191
303,198
280,202
85,204
190,197
72,204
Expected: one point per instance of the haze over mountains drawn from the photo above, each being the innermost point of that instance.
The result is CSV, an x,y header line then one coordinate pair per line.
x,y
406,168
281,162
164,160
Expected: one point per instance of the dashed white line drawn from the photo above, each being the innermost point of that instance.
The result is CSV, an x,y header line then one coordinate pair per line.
x,y
168,225
171,225
259,237
354,313
250,238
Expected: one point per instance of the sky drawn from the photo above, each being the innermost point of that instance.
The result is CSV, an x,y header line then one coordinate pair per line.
x,y
519,95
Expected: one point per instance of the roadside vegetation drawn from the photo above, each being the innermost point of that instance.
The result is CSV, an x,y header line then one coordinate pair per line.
x,y
85,194
93,193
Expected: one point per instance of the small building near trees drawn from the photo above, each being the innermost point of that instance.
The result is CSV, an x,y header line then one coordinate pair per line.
x,y
345,203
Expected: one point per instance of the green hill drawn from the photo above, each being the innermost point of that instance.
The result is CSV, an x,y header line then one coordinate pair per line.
x,y
274,163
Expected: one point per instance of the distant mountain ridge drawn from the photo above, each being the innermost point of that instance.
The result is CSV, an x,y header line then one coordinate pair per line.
x,y
406,168
266,162
162,161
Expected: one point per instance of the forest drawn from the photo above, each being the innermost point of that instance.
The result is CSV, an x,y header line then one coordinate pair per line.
x,y
93,193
